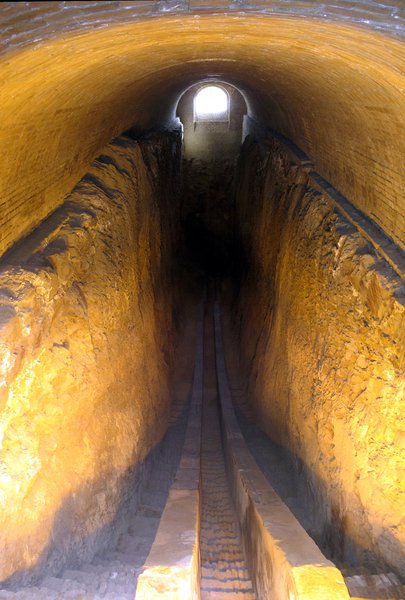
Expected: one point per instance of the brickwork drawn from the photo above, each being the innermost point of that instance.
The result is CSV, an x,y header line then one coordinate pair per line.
x,y
26,22
109,66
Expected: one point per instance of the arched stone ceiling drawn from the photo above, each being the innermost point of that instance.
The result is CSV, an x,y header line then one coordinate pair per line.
x,y
334,89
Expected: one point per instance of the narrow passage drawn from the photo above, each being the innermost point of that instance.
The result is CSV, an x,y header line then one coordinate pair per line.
x,y
224,574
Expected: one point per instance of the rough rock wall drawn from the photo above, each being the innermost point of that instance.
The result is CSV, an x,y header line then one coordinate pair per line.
x,y
322,324
86,344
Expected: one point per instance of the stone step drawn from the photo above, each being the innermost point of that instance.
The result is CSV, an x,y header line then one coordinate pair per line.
x,y
376,586
149,511
155,486
143,525
96,583
119,562
86,585
113,574
153,500
63,585
97,569
132,545
31,593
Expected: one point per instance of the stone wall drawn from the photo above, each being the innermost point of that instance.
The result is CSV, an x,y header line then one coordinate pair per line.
x,y
86,311
321,322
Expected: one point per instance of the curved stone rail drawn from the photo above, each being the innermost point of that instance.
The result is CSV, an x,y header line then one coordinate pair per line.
x,y
284,562
173,565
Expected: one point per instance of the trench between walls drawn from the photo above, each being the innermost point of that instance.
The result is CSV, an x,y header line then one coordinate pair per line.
x,y
91,301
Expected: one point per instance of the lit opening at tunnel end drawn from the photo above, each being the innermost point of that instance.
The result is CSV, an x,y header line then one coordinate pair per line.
x,y
211,103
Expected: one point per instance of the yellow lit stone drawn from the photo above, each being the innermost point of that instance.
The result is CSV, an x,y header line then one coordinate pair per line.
x,y
335,90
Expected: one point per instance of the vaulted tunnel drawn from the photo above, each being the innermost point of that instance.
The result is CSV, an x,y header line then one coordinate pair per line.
x,y
118,220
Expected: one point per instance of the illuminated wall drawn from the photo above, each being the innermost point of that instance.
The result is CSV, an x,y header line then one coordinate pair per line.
x,y
322,320
87,343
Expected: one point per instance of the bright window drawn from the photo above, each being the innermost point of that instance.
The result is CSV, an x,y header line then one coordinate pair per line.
x,y
211,103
